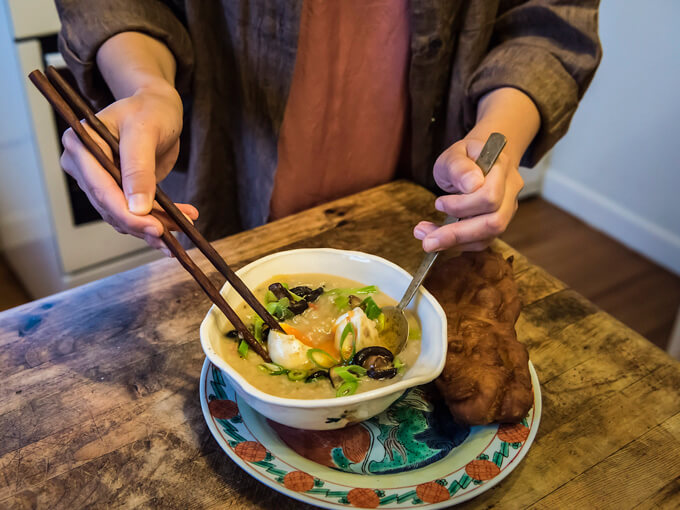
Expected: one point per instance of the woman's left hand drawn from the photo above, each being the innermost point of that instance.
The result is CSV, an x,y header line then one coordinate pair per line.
x,y
485,205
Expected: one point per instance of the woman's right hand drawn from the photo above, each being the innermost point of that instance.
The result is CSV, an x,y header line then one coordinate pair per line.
x,y
148,124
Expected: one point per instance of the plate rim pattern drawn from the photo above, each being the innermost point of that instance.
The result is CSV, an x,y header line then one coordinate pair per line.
x,y
478,475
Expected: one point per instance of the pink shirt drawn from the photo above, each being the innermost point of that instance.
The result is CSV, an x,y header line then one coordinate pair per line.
x,y
344,120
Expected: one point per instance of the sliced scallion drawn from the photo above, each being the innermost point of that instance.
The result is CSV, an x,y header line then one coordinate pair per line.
x,y
371,308
357,370
340,296
370,289
380,322
295,296
257,328
349,328
350,373
272,368
297,375
243,348
321,358
347,388
347,376
279,309
341,302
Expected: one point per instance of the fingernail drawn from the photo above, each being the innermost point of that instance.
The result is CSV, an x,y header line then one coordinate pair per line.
x,y
439,205
471,181
431,244
419,234
139,203
152,231
189,219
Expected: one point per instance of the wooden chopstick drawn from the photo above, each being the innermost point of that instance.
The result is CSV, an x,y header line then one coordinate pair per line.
x,y
83,108
64,110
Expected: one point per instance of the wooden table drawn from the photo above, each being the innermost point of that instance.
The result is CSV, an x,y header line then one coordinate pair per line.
x,y
99,385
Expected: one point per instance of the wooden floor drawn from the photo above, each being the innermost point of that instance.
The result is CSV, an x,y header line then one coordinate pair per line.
x,y
631,288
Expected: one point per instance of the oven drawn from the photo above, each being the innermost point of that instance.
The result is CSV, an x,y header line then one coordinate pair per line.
x,y
51,235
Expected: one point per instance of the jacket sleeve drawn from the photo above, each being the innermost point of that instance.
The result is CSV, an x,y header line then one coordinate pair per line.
x,y
86,24
549,49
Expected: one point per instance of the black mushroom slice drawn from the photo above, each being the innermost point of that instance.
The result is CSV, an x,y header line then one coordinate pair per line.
x,y
279,290
335,377
316,376
354,301
385,373
378,362
361,357
307,293
296,306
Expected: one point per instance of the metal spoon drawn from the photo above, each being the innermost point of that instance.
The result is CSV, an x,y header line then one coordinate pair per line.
x,y
395,333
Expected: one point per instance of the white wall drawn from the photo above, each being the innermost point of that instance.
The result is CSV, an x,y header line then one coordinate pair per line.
x,y
618,168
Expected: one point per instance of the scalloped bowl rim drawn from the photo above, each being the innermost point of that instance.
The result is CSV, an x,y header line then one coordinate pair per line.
x,y
389,389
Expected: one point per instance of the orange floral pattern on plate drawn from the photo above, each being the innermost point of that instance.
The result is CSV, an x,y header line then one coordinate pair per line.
x,y
432,492
513,432
235,437
482,470
363,498
223,409
298,481
251,451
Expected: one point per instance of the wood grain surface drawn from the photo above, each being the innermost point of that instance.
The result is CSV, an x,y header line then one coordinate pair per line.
x,y
99,385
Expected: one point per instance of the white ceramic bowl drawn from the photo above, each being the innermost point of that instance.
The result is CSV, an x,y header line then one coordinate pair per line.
x,y
332,413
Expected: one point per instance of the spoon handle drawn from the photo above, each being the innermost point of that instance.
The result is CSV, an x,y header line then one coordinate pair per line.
x,y
490,152
421,272
487,158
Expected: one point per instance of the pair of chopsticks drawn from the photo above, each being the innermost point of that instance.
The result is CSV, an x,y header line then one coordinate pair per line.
x,y
67,102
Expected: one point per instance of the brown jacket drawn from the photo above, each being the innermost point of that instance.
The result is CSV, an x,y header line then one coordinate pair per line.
x,y
235,62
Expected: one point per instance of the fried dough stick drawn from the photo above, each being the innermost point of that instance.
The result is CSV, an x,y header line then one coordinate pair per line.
x,y
486,377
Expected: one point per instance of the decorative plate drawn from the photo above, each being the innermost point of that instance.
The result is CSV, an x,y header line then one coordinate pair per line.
x,y
410,456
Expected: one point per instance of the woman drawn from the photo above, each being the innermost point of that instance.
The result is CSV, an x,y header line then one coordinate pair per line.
x,y
290,104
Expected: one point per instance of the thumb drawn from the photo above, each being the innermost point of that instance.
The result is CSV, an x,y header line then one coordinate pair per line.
x,y
467,175
138,168
455,171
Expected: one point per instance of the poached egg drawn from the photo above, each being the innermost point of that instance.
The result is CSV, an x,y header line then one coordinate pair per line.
x,y
287,350
365,329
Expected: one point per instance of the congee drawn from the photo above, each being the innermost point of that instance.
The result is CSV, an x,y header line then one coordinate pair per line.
x,y
331,346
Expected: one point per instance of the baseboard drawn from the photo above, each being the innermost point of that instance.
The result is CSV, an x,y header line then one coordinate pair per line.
x,y
655,242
